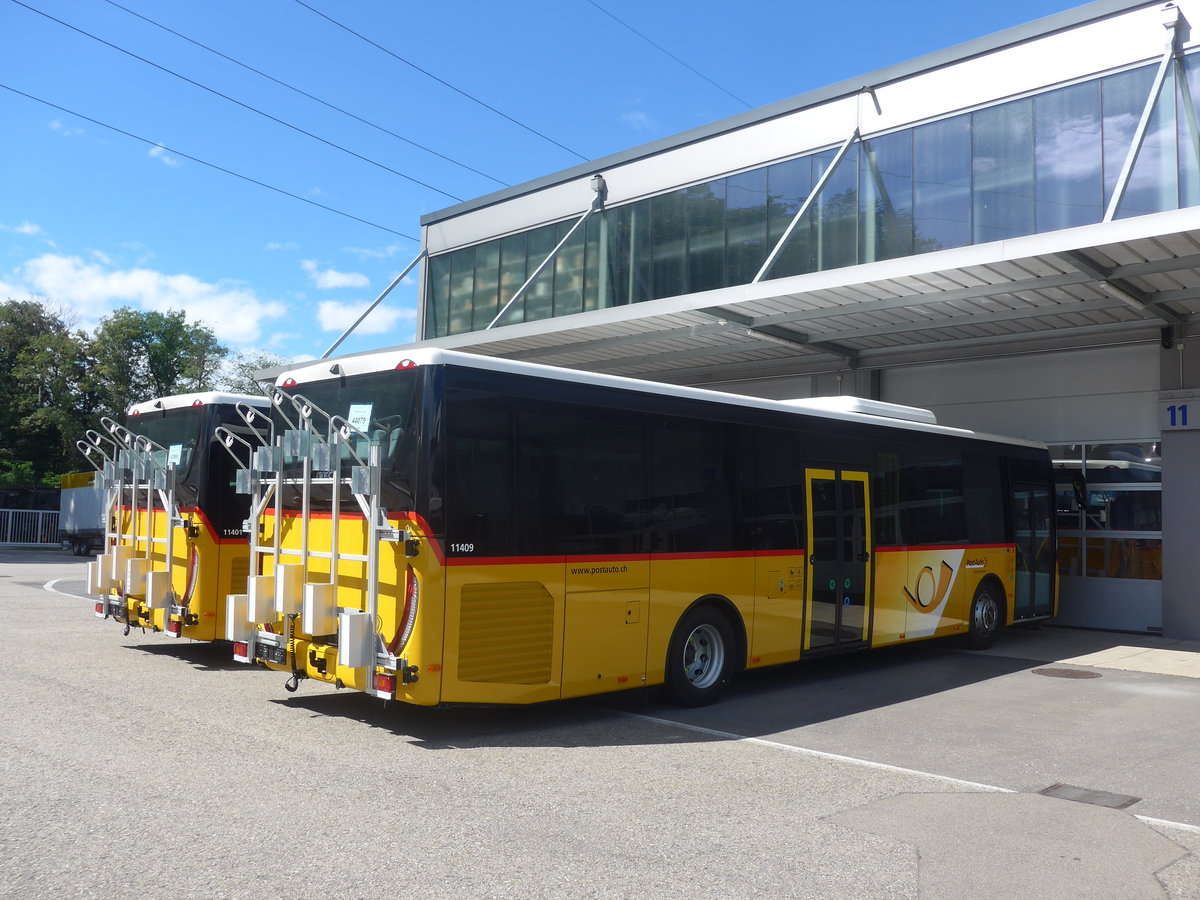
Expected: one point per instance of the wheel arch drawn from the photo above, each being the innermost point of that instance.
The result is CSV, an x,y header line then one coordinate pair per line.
x,y
737,625
992,582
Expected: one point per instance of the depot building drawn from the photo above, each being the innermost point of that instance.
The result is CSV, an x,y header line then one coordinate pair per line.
x,y
1006,233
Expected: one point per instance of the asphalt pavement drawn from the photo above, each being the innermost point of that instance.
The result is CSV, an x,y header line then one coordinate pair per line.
x,y
1058,764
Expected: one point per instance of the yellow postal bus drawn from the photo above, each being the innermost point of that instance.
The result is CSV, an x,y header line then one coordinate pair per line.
x,y
175,545
439,527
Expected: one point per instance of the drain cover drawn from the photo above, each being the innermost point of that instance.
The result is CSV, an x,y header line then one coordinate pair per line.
x,y
1066,673
1087,795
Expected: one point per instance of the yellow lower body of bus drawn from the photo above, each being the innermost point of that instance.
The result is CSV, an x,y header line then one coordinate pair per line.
x,y
528,631
136,587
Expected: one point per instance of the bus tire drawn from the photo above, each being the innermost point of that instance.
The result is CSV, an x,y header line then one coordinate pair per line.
x,y
986,617
700,658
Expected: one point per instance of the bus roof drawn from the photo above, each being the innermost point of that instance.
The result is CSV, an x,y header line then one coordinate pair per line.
x,y
840,409
203,398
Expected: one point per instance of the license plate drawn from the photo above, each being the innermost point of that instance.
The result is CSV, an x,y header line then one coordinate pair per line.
x,y
272,654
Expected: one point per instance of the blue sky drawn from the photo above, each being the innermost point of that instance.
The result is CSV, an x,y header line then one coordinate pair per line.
x,y
92,219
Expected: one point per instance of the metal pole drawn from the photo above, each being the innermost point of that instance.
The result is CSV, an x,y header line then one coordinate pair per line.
x,y
1139,134
366,312
601,189
808,201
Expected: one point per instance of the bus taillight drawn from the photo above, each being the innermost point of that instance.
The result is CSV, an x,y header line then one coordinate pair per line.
x,y
409,617
385,684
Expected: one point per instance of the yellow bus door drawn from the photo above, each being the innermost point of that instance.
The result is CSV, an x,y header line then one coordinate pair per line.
x,y
838,602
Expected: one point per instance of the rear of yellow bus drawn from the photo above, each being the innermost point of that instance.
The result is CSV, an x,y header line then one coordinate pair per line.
x,y
347,577
175,546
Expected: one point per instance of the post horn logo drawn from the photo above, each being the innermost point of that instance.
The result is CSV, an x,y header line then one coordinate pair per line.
x,y
931,591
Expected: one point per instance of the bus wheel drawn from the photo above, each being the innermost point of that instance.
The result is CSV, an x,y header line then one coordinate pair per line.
x,y
700,657
985,618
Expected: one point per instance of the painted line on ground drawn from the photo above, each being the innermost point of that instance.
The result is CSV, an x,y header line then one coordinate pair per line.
x,y
878,766
50,586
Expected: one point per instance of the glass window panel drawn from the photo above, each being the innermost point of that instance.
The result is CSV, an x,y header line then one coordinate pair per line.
x,y
834,214
462,289
1002,164
693,474
539,297
1154,182
1122,98
1068,155
777,506
942,189
788,184
437,304
512,275
568,272
629,252
1114,510
1124,462
706,236
745,226
1069,557
667,237
885,197
580,479
486,298
595,273
478,490
1124,558
1189,132
617,226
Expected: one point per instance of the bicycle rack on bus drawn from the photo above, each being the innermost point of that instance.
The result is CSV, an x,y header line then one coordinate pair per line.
x,y
126,568
319,442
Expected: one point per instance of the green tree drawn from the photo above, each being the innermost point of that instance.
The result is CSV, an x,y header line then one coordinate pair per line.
x,y
238,374
141,355
45,401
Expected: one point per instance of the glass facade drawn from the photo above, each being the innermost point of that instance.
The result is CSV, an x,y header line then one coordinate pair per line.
x,y
1026,166
1109,510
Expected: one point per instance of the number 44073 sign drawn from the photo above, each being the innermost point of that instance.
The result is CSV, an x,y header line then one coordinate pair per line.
x,y
1179,410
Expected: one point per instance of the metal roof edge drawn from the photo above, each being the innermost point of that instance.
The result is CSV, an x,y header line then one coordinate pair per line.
x,y
1080,15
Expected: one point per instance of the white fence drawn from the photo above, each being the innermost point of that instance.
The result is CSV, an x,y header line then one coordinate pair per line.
x,y
28,527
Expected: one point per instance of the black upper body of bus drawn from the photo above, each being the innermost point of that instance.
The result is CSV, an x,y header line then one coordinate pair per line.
x,y
205,473
503,464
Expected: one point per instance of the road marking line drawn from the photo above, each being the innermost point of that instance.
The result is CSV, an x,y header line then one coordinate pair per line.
x,y
870,764
50,586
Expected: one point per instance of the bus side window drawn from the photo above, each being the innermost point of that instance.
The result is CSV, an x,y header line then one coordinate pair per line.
x,y
479,508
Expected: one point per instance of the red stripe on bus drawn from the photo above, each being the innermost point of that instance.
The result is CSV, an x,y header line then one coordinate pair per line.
x,y
917,547
640,557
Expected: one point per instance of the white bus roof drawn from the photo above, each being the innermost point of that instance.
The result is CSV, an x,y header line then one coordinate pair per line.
x,y
203,398
844,409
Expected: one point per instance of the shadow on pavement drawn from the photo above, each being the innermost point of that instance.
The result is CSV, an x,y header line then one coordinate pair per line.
x,y
757,703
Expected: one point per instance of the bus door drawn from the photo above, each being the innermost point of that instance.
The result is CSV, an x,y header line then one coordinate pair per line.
x,y
1032,510
839,555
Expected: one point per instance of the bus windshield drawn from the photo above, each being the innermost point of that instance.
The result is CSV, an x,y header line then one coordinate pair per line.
x,y
381,408
175,432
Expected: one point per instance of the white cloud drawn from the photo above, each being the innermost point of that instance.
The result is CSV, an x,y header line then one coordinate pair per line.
x,y
637,120
57,125
92,290
159,152
329,279
381,253
282,245
335,316
27,228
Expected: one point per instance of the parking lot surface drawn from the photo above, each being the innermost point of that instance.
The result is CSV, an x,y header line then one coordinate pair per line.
x,y
141,764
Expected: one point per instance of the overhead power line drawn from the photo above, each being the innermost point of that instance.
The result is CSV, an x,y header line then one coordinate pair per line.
x,y
444,83
196,159
245,106
663,49
303,93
